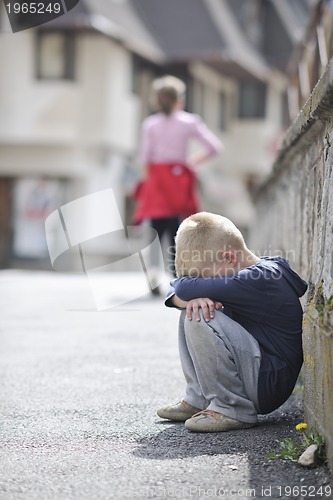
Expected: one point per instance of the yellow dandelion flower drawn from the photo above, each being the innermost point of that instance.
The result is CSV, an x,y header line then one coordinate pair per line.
x,y
301,426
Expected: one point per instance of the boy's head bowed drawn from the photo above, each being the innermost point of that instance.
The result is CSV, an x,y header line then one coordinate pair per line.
x,y
210,245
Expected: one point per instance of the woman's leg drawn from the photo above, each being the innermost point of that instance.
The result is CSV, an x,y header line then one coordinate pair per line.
x,y
166,226
172,227
160,226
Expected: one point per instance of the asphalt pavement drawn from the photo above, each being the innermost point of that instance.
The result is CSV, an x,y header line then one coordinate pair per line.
x,y
79,393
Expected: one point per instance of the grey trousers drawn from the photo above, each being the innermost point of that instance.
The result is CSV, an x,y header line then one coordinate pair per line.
x,y
220,361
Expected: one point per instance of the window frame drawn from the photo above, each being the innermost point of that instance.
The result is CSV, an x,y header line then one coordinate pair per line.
x,y
223,111
69,54
260,111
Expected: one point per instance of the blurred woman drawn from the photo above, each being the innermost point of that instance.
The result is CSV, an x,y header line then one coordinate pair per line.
x,y
168,192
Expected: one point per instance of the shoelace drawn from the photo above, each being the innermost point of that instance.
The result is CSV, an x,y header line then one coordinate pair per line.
x,y
208,412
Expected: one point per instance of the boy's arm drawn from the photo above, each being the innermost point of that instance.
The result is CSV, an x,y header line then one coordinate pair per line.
x,y
242,291
187,288
172,300
194,306
177,302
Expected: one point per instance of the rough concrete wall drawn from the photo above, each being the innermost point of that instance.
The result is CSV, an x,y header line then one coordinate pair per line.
x,y
295,217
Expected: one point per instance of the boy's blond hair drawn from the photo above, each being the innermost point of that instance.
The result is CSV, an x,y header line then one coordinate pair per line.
x,y
201,239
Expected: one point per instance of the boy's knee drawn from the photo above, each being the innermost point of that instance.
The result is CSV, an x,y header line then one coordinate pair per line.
x,y
193,326
220,321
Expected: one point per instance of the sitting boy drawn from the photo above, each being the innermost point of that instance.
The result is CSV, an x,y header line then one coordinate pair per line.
x,y
240,331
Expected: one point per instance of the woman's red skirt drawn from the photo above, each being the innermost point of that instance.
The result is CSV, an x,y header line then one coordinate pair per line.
x,y
168,191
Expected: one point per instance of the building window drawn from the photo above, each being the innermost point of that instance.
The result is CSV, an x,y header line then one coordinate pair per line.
x,y
222,111
252,100
201,99
135,74
189,95
285,118
55,56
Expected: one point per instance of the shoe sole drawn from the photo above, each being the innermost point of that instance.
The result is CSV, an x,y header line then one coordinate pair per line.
x,y
215,428
179,417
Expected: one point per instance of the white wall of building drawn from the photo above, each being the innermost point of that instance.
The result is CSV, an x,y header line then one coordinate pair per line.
x,y
33,111
82,131
97,108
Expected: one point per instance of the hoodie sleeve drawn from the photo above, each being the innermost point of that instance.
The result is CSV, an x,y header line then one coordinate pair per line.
x,y
168,299
241,292
266,285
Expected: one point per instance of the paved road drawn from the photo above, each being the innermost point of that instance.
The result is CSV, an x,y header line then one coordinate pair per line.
x,y
79,389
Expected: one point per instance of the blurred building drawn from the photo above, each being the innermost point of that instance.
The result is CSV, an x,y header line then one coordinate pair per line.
x,y
73,94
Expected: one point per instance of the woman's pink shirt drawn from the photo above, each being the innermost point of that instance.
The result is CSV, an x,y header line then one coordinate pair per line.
x,y
165,138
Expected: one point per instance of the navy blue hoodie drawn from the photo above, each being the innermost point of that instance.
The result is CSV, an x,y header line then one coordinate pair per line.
x,y
264,299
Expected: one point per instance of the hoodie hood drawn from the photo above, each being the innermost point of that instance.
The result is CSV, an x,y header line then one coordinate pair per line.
x,y
280,264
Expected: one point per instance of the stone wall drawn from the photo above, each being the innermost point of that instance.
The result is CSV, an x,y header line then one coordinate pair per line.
x,y
295,218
